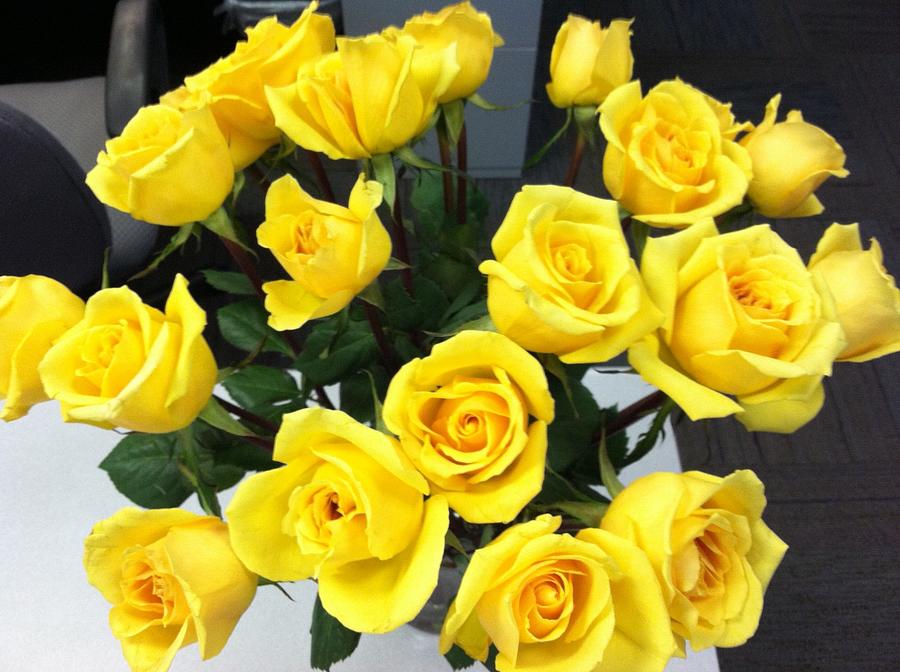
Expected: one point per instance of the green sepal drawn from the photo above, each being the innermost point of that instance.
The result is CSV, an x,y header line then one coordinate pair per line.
x,y
104,272
372,295
587,123
178,239
213,414
221,224
607,471
331,641
639,234
652,436
454,115
383,172
410,158
478,101
538,155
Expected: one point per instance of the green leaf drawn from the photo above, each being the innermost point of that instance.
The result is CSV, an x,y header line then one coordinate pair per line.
x,y
639,233
193,472
229,282
255,385
538,155
179,238
404,312
372,295
218,417
144,468
454,114
224,226
557,488
478,101
331,641
383,172
327,358
607,472
359,395
244,325
651,437
458,659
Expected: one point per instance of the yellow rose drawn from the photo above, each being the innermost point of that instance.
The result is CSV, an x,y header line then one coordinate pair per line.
x,y
670,159
233,87
866,297
556,603
564,280
126,364
790,160
744,317
34,312
369,97
347,509
473,35
464,417
589,61
167,167
331,253
710,549
172,579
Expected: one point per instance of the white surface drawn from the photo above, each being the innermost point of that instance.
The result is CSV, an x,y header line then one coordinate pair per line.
x,y
51,493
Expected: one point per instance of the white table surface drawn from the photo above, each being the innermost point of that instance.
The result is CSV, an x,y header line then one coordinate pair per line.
x,y
51,620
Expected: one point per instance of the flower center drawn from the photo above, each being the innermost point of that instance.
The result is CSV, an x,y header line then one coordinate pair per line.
x,y
306,236
148,588
571,261
761,294
316,511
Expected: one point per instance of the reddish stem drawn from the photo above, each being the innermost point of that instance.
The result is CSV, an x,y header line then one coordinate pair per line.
x,y
387,354
444,147
631,414
462,161
402,248
575,161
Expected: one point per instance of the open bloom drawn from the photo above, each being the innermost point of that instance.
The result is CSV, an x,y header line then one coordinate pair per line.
x,y
172,579
711,551
167,167
790,159
347,509
34,312
589,61
671,159
473,35
331,252
126,364
556,603
369,97
564,280
472,416
744,317
234,86
866,297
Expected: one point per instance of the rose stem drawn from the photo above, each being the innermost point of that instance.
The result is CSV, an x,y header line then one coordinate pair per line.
x,y
575,160
444,146
387,354
247,415
321,176
402,248
462,160
248,268
262,442
633,413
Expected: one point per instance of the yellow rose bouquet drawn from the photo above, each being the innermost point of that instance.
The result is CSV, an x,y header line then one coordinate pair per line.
x,y
398,400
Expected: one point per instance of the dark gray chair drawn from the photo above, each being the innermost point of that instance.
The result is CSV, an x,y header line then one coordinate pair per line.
x,y
50,134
